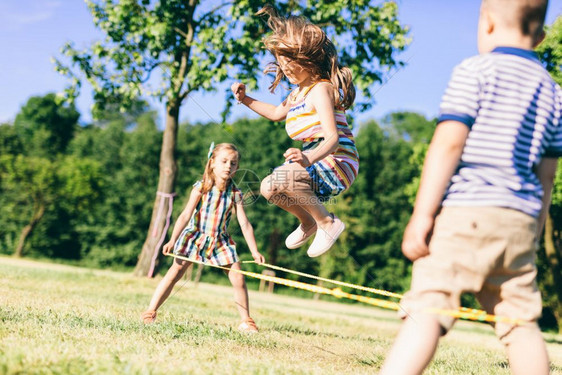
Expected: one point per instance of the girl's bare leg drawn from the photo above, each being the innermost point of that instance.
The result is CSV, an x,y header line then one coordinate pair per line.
x,y
282,188
165,286
282,200
240,291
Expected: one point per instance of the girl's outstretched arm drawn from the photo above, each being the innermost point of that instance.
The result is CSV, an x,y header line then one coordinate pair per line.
x,y
269,111
248,232
183,219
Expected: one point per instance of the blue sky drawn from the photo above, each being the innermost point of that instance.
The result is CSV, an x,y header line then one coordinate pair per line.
x,y
32,31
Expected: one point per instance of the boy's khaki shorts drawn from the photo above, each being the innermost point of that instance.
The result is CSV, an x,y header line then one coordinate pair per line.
x,y
488,251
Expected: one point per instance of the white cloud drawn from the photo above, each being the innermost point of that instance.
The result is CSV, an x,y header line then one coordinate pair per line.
x,y
14,14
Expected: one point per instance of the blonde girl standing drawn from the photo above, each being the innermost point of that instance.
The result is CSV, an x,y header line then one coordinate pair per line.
x,y
200,233
314,114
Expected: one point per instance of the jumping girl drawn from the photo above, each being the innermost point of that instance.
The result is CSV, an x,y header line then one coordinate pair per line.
x,y
313,113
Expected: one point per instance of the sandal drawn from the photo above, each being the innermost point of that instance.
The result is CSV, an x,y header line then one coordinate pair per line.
x,y
248,325
148,317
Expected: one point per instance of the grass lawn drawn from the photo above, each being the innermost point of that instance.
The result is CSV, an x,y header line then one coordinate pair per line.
x,y
57,319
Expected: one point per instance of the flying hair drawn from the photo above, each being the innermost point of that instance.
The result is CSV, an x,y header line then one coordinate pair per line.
x,y
208,176
299,40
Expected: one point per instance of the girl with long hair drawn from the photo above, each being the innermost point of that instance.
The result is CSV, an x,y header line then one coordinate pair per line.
x,y
314,113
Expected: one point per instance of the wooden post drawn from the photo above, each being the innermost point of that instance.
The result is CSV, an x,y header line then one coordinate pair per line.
x,y
316,296
270,284
198,275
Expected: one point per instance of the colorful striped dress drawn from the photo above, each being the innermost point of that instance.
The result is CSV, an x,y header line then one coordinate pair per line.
x,y
205,239
337,171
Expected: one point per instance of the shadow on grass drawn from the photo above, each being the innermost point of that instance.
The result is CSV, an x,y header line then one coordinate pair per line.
x,y
376,361
288,328
553,368
553,340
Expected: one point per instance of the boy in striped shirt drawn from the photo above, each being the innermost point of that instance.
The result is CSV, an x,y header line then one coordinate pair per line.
x,y
484,193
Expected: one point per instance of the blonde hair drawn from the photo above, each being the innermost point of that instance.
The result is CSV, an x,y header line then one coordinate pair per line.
x,y
208,176
305,43
527,16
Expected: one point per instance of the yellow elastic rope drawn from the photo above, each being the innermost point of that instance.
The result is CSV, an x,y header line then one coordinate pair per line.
x,y
355,286
463,313
342,283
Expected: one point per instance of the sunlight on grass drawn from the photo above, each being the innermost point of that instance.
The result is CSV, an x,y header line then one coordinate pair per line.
x,y
58,319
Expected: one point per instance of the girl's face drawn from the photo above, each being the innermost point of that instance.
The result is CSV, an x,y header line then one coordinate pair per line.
x,y
225,164
294,72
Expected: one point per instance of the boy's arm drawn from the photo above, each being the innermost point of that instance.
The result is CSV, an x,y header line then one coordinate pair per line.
x,y
546,171
441,161
183,219
248,232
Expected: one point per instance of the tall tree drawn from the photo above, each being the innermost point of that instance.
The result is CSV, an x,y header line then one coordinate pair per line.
x,y
173,48
550,53
46,126
10,142
34,186
127,146
30,183
410,126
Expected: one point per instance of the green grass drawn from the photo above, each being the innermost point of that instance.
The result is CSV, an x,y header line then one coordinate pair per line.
x,y
57,319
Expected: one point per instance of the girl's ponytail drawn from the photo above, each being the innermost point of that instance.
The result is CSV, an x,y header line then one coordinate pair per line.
x,y
344,90
208,177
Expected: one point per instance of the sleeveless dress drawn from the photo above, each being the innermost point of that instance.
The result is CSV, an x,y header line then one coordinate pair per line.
x,y
336,172
205,238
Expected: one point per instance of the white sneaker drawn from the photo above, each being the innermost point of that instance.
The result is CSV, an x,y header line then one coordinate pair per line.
x,y
299,237
325,238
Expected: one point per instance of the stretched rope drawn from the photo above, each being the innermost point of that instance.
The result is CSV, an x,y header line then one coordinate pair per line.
x,y
336,282
463,313
354,286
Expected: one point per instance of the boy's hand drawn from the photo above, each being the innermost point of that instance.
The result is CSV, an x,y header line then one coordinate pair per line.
x,y
297,156
416,237
168,247
258,257
239,91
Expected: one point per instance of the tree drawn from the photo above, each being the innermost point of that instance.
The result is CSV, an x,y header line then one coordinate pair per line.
x,y
410,126
550,53
126,145
46,126
191,46
29,181
32,186
549,50
10,142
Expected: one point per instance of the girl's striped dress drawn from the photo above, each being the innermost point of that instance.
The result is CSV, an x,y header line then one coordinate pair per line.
x,y
205,238
337,171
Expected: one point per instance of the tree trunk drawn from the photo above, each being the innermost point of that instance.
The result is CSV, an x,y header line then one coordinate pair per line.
x,y
554,264
150,256
26,231
274,243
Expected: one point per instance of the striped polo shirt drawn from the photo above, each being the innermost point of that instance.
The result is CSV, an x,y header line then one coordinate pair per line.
x,y
513,108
